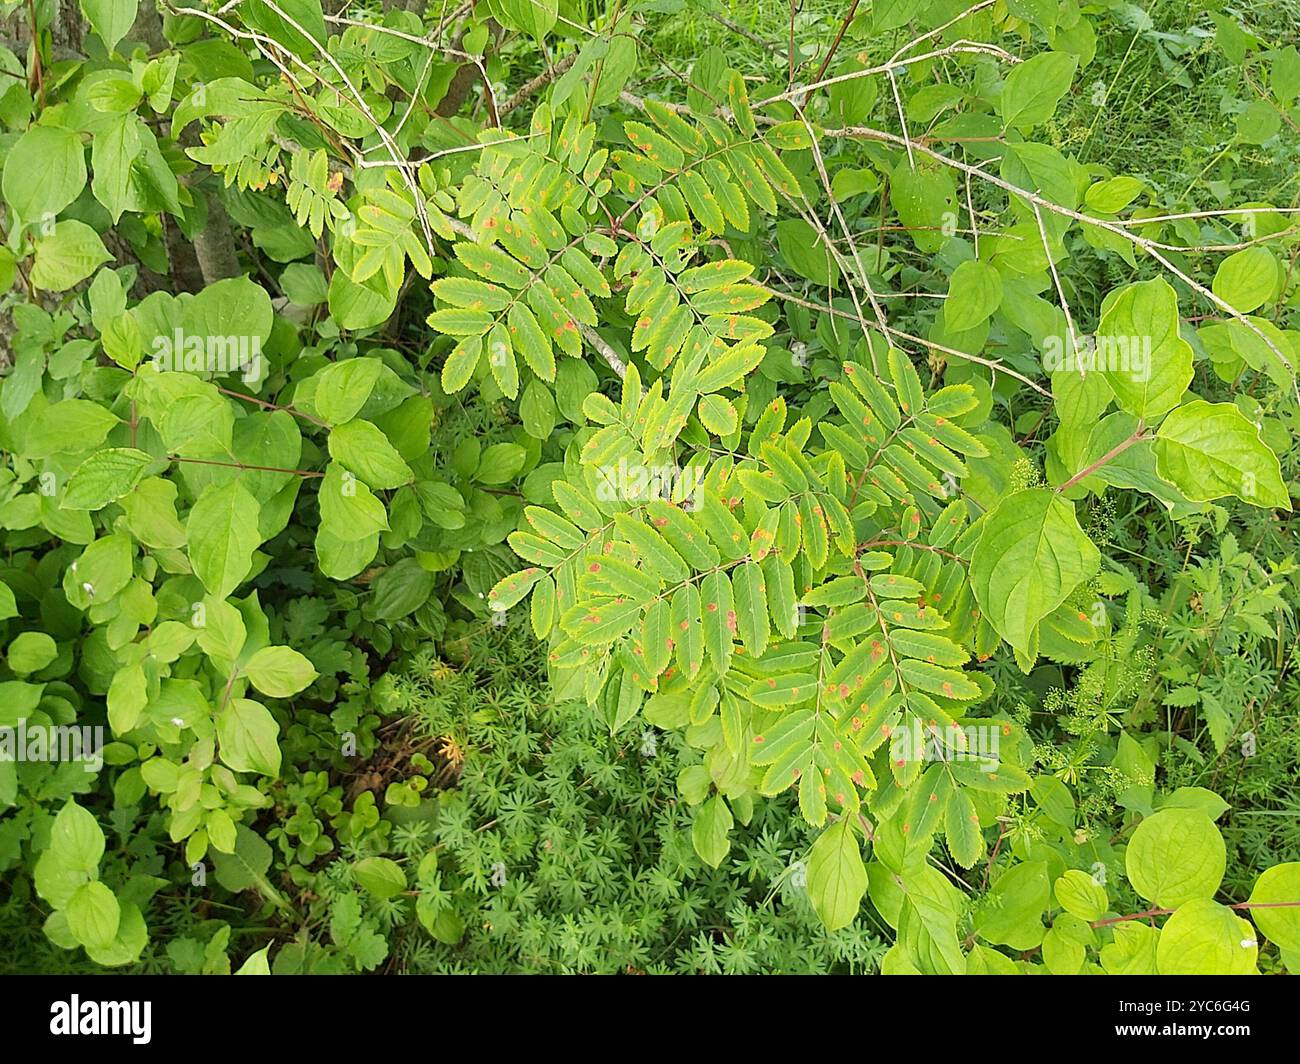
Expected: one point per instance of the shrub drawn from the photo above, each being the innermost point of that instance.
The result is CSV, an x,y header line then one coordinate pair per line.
x,y
814,424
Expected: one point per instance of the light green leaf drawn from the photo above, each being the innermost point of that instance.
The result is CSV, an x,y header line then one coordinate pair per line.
x,y
1204,938
1011,913
1248,279
1209,450
111,19
55,154
837,878
1139,350
343,388
221,535
382,877
30,652
70,426
974,293
113,155
257,963
68,256
279,671
961,827
235,311
105,476
1277,891
1031,556
1175,855
711,831
1081,895
1034,88
93,915
348,509
362,448
247,737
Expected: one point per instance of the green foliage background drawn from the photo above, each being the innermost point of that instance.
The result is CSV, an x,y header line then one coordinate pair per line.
x,y
399,671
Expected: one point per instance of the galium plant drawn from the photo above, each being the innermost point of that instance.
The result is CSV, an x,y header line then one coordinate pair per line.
x,y
822,386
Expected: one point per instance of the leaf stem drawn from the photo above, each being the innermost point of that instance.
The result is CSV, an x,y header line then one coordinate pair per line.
x,y
241,465
1166,912
1138,436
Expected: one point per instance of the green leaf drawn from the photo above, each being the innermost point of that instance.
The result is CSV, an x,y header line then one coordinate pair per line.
x,y
718,415
342,559
974,293
1081,895
961,827
1203,937
247,865
1279,887
221,535
1031,555
382,877
279,671
68,256
1259,122
256,964
30,652
55,154
361,447
1011,913
837,878
93,915
8,604
802,247
76,838
511,590
500,463
1034,88
1133,951
751,608
302,32
461,364
1147,364
1113,195
111,19
105,476
1247,279
235,309
343,388
356,306
400,590
247,737
113,156
711,831
1209,450
533,17
70,426
719,619
1174,856
349,510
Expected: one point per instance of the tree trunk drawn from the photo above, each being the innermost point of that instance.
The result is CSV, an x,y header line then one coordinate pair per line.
x,y
215,246
212,255
66,33
148,28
